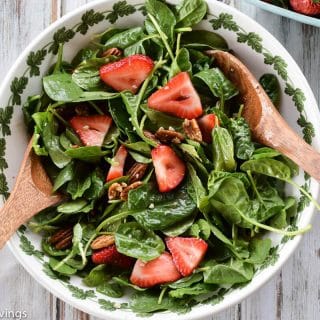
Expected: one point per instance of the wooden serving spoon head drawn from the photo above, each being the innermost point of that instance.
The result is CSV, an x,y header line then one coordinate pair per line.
x,y
267,125
32,193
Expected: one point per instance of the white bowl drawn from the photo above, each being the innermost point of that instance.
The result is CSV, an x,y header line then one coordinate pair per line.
x,y
259,50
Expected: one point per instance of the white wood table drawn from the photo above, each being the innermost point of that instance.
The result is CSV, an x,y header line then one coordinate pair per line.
x,y
294,294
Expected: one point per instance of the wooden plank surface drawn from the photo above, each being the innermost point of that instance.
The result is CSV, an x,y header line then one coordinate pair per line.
x,y
292,295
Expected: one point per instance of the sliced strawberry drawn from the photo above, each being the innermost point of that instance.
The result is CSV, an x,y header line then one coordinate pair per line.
x,y
206,124
116,170
169,168
309,7
127,73
178,98
111,256
91,129
187,253
158,271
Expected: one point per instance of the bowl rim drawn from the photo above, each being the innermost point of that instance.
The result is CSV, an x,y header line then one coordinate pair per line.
x,y
246,291
287,13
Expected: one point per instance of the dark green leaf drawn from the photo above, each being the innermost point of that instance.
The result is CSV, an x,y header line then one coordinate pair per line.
x,y
135,241
270,167
223,150
190,12
271,86
113,290
203,39
159,211
88,153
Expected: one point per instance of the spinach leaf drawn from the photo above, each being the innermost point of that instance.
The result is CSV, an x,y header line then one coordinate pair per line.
x,y
126,283
60,87
158,211
223,150
160,119
195,290
72,206
186,282
147,302
63,269
231,272
180,63
140,146
269,167
29,108
203,40
51,250
135,241
220,86
190,12
97,276
180,227
64,176
241,134
47,128
87,154
113,290
163,16
87,75
230,198
82,55
200,229
259,250
264,152
125,38
271,86
133,108
96,189
81,181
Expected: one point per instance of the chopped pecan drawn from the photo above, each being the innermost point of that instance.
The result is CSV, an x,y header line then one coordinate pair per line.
x,y
62,239
103,241
137,171
150,136
169,135
115,190
125,191
192,130
112,52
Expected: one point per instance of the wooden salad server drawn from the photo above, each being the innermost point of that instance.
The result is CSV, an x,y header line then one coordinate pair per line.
x,y
32,193
266,124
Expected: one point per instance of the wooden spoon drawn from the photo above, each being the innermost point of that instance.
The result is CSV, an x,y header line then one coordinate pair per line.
x,y
266,124
31,194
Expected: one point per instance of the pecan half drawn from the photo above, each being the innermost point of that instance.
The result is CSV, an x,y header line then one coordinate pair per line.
x,y
103,241
192,130
62,239
137,171
115,190
112,52
169,135
150,136
125,191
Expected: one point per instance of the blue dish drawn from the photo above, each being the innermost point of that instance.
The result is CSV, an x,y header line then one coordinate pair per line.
x,y
286,13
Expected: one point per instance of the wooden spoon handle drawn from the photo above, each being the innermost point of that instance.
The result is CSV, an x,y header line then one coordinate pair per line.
x,y
17,209
27,198
289,143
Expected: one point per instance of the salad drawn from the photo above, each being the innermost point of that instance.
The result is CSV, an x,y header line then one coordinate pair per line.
x,y
165,193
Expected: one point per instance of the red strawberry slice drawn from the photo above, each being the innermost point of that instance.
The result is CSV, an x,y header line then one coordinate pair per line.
x,y
309,7
111,256
158,271
127,73
178,98
187,253
91,129
169,168
116,170
206,124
